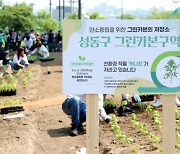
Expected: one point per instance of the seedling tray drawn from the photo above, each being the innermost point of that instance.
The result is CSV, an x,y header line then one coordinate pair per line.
x,y
7,110
47,59
144,98
109,109
8,93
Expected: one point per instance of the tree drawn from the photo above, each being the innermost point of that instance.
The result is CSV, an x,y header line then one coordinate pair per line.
x,y
44,22
73,16
155,14
1,4
19,16
126,16
96,15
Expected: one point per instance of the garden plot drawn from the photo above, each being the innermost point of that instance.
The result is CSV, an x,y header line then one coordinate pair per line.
x,y
139,132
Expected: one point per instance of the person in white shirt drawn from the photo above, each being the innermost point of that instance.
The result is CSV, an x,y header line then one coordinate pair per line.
x,y
41,50
20,60
32,36
28,43
75,106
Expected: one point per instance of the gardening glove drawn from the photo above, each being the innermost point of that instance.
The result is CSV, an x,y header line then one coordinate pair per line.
x,y
137,98
125,96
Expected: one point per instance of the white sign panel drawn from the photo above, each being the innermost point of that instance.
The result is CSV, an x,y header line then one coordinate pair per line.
x,y
121,56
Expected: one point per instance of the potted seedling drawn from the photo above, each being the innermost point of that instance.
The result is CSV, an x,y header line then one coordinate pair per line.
x,y
8,89
11,106
31,59
109,105
45,59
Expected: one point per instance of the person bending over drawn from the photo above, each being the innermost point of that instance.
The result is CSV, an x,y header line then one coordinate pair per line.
x,y
75,106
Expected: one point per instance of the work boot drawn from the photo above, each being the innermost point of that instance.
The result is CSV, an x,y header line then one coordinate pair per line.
x,y
74,130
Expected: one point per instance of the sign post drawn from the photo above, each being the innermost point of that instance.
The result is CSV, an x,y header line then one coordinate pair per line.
x,y
169,125
92,125
120,57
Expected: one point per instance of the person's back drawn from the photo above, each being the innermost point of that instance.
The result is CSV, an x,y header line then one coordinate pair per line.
x,y
51,37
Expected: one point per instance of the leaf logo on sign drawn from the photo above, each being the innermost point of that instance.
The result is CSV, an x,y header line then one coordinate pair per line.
x,y
82,58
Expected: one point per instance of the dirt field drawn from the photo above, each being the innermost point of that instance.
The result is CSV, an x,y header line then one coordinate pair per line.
x,y
45,128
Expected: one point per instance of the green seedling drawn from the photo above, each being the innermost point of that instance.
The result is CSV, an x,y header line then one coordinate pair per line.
x,y
109,103
156,120
154,138
149,109
133,116
25,80
142,106
7,87
178,139
19,72
136,150
12,102
117,130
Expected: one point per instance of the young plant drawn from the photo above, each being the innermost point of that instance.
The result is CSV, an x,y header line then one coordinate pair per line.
x,y
154,138
109,103
178,140
156,120
19,72
142,106
117,130
12,102
136,150
149,109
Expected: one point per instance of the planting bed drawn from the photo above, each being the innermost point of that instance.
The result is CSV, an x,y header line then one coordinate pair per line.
x,y
144,135
45,128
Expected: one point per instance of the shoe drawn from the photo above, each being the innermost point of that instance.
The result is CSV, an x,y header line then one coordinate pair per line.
x,y
74,130
157,103
80,128
177,101
107,119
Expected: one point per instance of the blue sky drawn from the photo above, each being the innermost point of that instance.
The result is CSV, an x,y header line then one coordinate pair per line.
x,y
127,4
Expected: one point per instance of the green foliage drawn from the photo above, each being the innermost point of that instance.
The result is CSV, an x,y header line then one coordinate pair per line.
x,y
178,140
96,15
149,109
136,150
156,120
82,58
18,16
12,102
31,58
155,14
117,130
28,76
108,103
45,23
142,106
7,87
126,16
73,16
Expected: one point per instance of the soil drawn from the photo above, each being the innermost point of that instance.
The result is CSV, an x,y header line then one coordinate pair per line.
x,y
44,129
